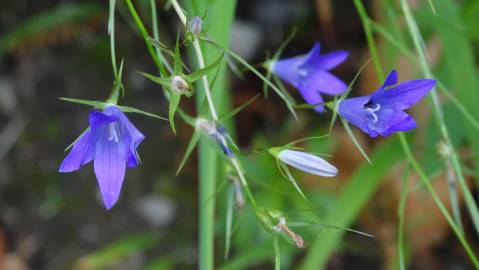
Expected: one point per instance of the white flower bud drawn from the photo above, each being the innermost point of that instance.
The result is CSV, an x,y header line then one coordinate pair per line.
x,y
179,85
307,162
194,26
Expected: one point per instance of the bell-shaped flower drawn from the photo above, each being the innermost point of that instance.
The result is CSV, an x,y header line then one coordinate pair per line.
x,y
307,162
310,74
382,112
111,142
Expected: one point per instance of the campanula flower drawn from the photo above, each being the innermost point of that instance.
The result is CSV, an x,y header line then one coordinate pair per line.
x,y
382,112
111,142
310,74
307,162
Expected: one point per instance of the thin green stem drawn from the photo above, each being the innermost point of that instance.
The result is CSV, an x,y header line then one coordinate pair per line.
x,y
369,37
111,32
406,148
201,61
401,213
146,37
156,34
439,115
438,202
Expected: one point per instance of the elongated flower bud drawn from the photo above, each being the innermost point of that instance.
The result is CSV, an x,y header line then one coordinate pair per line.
x,y
179,85
307,162
194,26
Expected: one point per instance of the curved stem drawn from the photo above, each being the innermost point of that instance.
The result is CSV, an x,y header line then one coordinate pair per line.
x,y
201,61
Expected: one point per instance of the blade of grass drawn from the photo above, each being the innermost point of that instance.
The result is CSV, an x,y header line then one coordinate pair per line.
x,y
452,155
351,199
405,146
401,212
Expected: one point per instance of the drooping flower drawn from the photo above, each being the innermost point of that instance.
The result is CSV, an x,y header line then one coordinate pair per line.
x,y
111,142
310,74
382,112
307,162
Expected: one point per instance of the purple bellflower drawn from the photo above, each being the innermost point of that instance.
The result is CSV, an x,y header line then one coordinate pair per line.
x,y
111,141
382,112
310,74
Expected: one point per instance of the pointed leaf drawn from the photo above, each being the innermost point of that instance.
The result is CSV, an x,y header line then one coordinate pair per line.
x,y
187,118
178,64
229,220
202,72
300,224
93,103
305,139
240,108
135,110
165,81
174,102
195,138
277,254
353,138
290,177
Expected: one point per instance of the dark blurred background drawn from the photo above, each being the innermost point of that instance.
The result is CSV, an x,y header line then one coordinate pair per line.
x,y
48,220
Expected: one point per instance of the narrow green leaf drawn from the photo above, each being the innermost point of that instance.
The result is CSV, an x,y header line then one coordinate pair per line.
x,y
187,118
290,177
431,4
178,63
195,138
174,102
277,253
353,138
229,220
202,72
135,110
300,224
239,108
93,103
164,81
401,214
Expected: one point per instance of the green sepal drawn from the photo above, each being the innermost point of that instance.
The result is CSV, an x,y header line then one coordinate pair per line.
x,y
93,103
138,111
284,170
101,105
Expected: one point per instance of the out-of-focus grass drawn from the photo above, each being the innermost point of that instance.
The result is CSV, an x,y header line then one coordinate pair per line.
x,y
47,21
